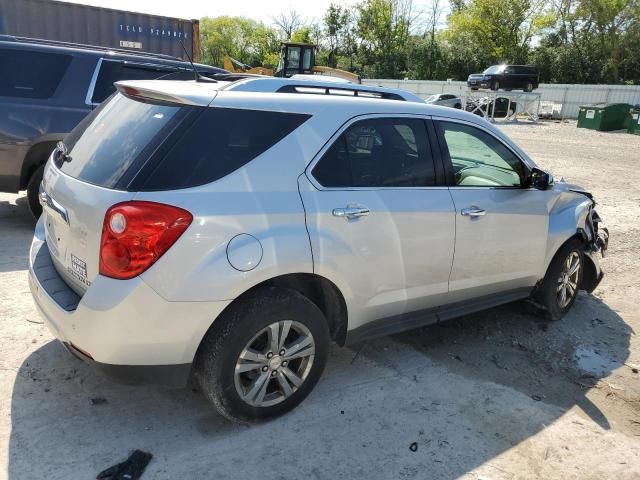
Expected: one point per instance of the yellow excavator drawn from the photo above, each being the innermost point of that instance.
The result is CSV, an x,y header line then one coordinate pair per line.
x,y
295,59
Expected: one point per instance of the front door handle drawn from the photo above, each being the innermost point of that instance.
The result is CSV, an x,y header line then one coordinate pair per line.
x,y
351,212
473,212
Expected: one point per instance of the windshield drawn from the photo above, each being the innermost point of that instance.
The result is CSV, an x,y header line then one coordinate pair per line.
x,y
432,99
494,69
105,144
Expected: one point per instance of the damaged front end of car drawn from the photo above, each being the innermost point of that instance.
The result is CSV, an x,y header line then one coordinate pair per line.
x,y
595,235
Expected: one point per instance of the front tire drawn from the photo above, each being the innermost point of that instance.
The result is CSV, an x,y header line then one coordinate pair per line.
x,y
495,85
560,286
528,87
263,356
33,190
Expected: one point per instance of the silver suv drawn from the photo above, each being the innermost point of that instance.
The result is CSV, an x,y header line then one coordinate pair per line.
x,y
230,231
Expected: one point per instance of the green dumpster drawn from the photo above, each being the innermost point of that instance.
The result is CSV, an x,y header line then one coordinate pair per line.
x,y
634,121
603,117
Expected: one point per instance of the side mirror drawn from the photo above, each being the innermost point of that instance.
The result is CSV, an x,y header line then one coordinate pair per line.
x,y
540,179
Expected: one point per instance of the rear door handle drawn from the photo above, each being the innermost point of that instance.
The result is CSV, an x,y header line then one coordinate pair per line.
x,y
351,212
473,212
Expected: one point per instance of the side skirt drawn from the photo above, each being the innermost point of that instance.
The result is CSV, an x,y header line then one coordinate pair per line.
x,y
421,318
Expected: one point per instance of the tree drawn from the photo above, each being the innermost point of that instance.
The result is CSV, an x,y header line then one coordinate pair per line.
x,y
302,35
503,29
246,40
383,30
337,23
288,23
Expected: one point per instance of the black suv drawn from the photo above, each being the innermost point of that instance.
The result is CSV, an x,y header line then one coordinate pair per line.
x,y
506,77
47,87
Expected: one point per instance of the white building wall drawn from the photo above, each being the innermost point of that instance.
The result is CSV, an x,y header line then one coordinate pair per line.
x,y
570,96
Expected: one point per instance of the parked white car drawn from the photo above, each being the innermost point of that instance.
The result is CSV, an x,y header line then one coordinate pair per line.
x,y
232,230
445,100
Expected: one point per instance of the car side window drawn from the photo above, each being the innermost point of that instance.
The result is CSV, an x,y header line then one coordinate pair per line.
x,y
479,159
380,152
27,74
111,72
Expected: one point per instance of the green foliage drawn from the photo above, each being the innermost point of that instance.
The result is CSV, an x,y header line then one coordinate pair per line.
x,y
303,35
571,41
246,40
382,27
503,29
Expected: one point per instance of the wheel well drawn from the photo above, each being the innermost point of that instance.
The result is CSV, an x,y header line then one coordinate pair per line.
x,y
36,156
589,275
322,292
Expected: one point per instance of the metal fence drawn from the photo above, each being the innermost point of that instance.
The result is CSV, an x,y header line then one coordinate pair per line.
x,y
568,95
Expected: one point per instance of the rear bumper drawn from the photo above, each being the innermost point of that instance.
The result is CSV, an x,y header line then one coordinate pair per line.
x,y
166,375
122,327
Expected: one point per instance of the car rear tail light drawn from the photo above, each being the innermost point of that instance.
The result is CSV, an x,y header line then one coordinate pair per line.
x,y
136,234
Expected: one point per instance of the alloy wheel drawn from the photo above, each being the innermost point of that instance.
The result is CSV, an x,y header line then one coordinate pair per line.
x,y
568,280
274,364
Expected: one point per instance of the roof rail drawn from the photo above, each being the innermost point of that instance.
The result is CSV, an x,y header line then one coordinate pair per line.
x,y
59,43
316,87
339,90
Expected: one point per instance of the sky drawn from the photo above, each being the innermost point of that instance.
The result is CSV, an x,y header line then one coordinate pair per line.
x,y
263,10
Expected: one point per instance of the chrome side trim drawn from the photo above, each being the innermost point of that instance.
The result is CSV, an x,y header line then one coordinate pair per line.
x,y
92,84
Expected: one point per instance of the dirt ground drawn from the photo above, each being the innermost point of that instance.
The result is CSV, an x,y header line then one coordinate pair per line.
x,y
495,395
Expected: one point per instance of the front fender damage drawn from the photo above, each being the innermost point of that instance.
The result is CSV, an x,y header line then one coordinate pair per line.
x,y
595,235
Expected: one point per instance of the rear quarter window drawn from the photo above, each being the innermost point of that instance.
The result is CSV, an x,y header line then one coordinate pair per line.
x,y
28,74
218,142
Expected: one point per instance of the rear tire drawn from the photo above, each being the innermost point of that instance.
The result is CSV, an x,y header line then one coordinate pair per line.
x,y
528,87
242,372
458,106
559,288
33,189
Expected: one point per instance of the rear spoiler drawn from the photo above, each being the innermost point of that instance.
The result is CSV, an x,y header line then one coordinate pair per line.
x,y
168,91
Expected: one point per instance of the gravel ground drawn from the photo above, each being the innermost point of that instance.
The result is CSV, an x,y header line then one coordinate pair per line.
x,y
495,395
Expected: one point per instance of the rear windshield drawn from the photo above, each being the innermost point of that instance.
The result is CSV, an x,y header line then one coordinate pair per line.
x,y
27,74
129,144
104,146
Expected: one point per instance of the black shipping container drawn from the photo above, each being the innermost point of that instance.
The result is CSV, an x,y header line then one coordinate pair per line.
x,y
105,27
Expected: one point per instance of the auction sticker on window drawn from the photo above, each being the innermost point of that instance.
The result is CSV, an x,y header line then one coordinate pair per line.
x,y
590,114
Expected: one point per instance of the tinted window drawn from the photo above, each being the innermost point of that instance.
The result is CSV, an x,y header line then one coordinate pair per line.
x,y
111,72
103,146
479,159
381,152
219,141
31,74
494,69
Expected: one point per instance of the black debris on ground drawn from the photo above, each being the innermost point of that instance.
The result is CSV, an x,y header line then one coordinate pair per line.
x,y
131,469
414,447
98,400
